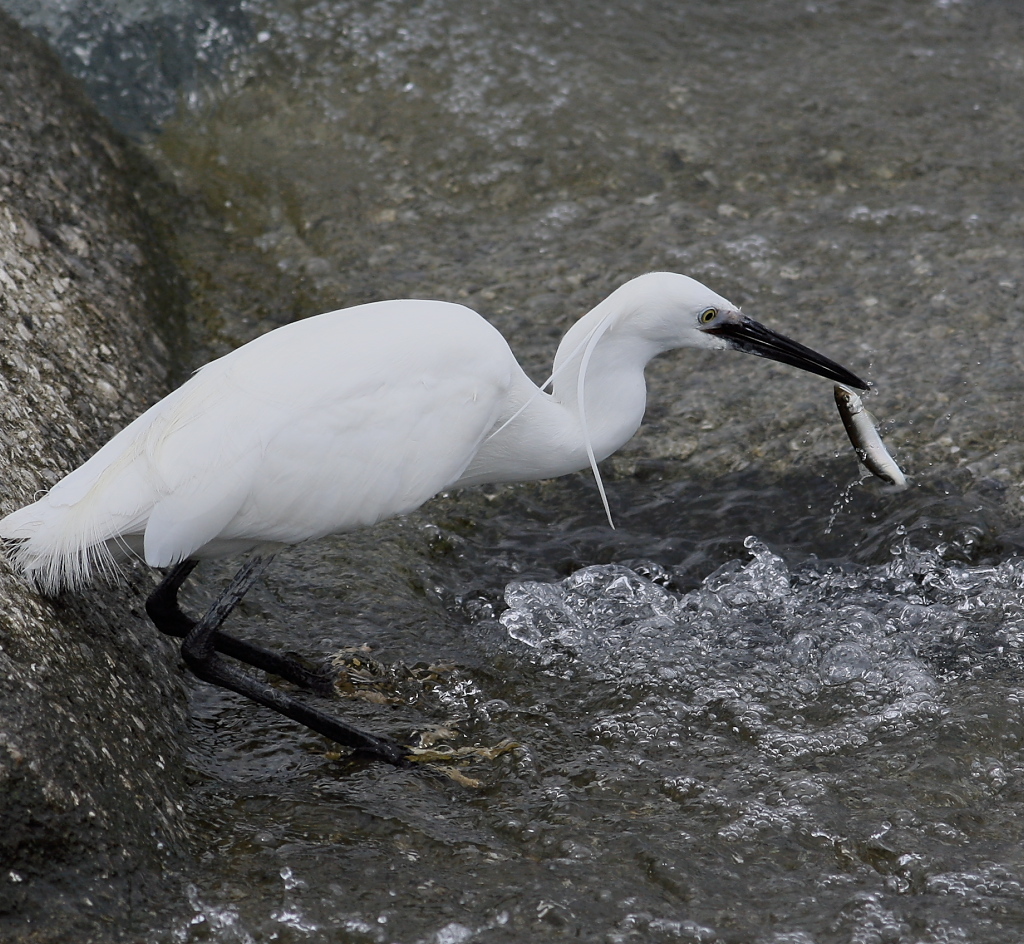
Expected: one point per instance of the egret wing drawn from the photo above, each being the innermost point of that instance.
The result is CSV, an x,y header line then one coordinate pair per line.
x,y
320,426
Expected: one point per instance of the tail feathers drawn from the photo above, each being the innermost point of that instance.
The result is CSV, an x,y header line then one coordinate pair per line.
x,y
60,548
61,545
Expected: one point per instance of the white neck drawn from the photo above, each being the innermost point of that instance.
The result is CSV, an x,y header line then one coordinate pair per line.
x,y
541,435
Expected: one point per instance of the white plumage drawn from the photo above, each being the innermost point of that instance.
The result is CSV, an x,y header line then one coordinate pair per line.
x,y
338,421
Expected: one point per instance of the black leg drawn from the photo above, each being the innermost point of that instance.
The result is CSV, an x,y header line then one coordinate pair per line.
x,y
162,607
203,641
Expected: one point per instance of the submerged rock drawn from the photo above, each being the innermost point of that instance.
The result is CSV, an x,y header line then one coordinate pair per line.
x,y
91,704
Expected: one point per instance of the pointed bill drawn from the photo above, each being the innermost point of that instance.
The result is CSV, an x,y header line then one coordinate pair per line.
x,y
752,337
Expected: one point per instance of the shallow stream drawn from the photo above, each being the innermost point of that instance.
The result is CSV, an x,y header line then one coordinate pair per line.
x,y
777,704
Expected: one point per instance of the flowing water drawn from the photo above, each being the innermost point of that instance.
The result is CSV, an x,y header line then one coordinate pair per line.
x,y
777,704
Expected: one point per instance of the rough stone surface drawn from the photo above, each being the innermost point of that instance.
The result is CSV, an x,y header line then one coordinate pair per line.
x,y
91,705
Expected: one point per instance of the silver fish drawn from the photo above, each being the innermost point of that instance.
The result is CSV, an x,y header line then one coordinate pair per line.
x,y
860,427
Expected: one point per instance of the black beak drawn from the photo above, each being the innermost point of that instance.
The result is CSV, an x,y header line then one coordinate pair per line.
x,y
751,337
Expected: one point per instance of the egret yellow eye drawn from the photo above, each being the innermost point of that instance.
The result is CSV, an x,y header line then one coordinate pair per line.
x,y
707,315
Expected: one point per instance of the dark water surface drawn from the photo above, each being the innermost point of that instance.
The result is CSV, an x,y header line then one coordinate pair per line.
x,y
816,735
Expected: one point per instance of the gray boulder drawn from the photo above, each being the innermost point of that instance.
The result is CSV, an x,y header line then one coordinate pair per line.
x,y
91,698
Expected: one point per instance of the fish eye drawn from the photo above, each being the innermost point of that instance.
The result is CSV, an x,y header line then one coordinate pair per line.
x,y
707,315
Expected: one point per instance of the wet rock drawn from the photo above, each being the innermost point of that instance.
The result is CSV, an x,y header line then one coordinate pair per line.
x,y
134,60
91,706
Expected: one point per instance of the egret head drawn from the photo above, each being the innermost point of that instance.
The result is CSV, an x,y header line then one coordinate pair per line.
x,y
674,311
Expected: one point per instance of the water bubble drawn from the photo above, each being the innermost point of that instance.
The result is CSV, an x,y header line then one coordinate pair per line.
x,y
843,663
801,662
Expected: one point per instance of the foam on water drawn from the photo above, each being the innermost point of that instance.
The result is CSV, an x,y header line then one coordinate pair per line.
x,y
803,661
857,710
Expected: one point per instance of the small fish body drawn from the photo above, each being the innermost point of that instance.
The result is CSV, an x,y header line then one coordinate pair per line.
x,y
860,427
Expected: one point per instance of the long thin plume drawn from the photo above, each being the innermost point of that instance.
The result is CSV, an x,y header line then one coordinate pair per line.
x,y
592,340
586,346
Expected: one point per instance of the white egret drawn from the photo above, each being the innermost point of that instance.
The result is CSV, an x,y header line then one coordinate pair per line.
x,y
341,420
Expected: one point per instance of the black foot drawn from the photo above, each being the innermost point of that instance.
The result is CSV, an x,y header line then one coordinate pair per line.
x,y
203,643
